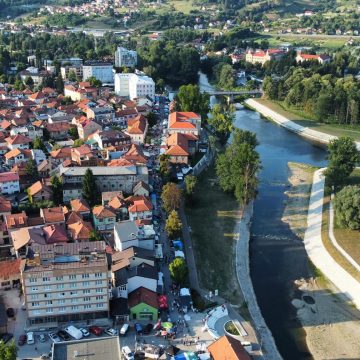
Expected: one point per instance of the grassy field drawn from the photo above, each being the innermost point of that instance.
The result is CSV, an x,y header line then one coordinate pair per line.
x,y
212,218
299,118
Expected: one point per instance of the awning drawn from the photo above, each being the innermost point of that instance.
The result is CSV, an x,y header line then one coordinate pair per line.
x,y
162,300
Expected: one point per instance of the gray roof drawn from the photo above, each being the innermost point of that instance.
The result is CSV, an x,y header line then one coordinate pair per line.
x,y
126,230
99,170
95,349
143,270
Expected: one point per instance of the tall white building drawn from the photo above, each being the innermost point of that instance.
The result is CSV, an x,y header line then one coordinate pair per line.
x,y
125,57
134,85
101,71
65,282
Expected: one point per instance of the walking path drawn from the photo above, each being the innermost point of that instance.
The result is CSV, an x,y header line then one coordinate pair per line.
x,y
316,250
306,132
333,239
267,342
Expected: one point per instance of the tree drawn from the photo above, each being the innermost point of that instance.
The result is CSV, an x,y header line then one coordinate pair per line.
x,y
94,81
151,118
165,166
73,132
178,270
29,81
238,166
227,77
39,144
347,207
94,236
171,197
32,170
173,225
190,98
90,190
8,351
72,76
57,189
59,84
78,143
190,184
221,120
342,157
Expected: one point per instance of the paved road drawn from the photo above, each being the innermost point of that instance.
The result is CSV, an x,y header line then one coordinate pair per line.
x,y
316,250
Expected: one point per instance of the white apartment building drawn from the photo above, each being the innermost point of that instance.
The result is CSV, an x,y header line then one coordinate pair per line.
x,y
125,57
134,85
101,71
9,183
65,282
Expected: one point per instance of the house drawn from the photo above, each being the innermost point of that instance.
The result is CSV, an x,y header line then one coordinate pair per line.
x,y
38,156
104,218
81,207
141,189
228,348
123,116
39,191
87,128
128,233
141,209
16,221
180,147
19,141
184,123
135,155
143,305
321,59
262,56
143,275
137,129
14,156
114,138
101,114
61,155
58,131
44,168
119,206
55,233
54,215
9,273
80,92
80,231
9,183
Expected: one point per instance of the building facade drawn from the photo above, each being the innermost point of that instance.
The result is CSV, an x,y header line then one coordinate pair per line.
x,y
125,57
101,71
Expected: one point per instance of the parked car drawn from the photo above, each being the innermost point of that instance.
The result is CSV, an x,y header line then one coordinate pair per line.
x,y
30,338
6,337
63,335
96,330
22,340
128,354
54,337
84,332
111,331
42,338
74,332
147,329
10,312
124,329
44,356
138,328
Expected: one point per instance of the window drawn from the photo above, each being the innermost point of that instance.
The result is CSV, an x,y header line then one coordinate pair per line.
x,y
35,303
86,283
74,307
97,275
46,279
48,302
60,286
73,285
100,305
87,298
99,297
59,278
49,310
99,290
47,296
62,308
73,292
32,280
98,282
47,287
72,277
74,300
85,276
62,301
34,289
86,291
34,297
87,306
61,294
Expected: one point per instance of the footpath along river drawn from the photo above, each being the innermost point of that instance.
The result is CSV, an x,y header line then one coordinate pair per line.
x,y
277,256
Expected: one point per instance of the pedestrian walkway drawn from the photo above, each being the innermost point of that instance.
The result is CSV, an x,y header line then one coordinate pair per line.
x,y
316,250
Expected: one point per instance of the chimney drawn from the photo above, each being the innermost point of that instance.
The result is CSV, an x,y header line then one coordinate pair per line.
x,y
37,259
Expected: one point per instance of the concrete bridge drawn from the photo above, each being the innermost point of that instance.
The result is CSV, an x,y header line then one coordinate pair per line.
x,y
230,94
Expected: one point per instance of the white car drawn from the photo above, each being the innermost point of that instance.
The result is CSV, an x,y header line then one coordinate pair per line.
x,y
30,338
84,332
42,338
54,337
128,354
111,332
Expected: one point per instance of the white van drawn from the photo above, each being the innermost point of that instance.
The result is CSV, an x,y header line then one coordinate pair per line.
x,y
74,332
30,340
124,329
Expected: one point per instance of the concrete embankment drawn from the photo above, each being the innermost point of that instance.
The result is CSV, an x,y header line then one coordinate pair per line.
x,y
306,132
267,341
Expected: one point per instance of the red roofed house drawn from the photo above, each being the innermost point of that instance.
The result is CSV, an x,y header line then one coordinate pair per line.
x,y
80,206
9,273
80,231
321,59
58,131
135,155
9,183
87,128
39,191
137,129
14,156
18,142
104,218
140,209
55,233
143,304
180,147
261,56
54,215
37,97
227,348
184,123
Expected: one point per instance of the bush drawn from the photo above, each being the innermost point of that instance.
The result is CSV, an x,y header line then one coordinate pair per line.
x,y
347,207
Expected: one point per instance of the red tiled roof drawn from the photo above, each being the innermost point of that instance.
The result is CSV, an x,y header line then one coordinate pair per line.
x,y
54,214
102,212
79,205
228,348
143,295
9,268
54,233
18,139
8,176
140,206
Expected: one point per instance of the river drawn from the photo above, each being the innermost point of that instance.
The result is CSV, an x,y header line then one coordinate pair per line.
x,y
277,255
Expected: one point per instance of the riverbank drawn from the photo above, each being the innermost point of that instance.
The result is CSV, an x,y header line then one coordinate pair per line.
x,y
310,134
332,326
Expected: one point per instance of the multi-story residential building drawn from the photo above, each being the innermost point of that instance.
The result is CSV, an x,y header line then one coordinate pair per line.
x,y
141,209
134,86
137,129
9,183
122,178
67,70
101,71
87,128
114,138
101,113
104,218
65,282
125,57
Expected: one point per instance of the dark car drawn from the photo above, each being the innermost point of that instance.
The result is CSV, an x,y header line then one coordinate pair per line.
x,y
96,330
148,328
138,328
22,340
6,337
63,335
10,312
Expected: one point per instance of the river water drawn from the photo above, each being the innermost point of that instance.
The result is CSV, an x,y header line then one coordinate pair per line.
x,y
277,256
